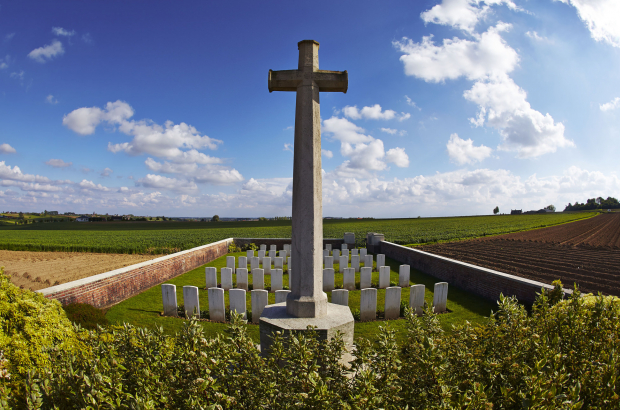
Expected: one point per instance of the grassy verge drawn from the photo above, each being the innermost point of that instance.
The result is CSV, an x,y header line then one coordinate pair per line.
x,y
144,309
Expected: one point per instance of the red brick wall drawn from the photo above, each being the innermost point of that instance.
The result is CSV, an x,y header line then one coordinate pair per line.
x,y
280,242
483,282
109,288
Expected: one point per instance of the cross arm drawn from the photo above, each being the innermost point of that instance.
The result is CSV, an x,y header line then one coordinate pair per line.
x,y
328,81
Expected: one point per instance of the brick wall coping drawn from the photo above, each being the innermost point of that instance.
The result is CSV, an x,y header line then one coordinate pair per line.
x,y
105,275
480,268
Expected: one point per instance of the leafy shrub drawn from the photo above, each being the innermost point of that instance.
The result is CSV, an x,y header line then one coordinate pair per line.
x,y
561,356
29,324
85,315
232,248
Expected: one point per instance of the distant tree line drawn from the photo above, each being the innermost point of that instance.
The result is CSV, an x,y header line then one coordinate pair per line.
x,y
594,203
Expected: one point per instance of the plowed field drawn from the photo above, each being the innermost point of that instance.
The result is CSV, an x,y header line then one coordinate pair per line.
x,y
585,252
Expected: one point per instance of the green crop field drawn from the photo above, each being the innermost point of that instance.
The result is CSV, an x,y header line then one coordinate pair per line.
x,y
168,237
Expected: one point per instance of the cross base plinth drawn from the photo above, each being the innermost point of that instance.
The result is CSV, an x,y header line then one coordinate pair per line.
x,y
276,319
307,306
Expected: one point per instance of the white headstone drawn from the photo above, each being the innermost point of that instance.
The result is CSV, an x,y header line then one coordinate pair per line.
x,y
284,255
191,301
277,263
242,278
258,279
348,279
254,263
243,262
259,301
363,252
440,297
281,295
217,311
328,280
380,260
267,265
354,252
249,254
329,262
365,278
325,253
227,281
343,246
340,297
238,302
368,304
273,249
169,296
336,254
345,252
263,247
328,246
230,263
404,275
384,277
368,261
286,247
211,277
276,280
261,254
392,302
288,263
416,298
355,262
344,263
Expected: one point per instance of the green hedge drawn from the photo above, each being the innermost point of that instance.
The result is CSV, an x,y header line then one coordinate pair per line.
x,y
559,356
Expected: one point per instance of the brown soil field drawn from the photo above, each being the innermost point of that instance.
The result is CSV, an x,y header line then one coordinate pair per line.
x,y
584,252
39,270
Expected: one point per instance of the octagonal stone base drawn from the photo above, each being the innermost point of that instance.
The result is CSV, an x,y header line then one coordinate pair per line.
x,y
338,319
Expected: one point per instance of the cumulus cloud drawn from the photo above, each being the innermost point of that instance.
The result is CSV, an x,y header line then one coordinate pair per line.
x,y
345,131
58,163
51,100
327,153
7,149
171,184
59,31
106,172
90,185
534,36
523,129
213,174
464,152
461,14
398,157
612,105
391,131
364,156
48,52
15,174
601,18
374,113
488,55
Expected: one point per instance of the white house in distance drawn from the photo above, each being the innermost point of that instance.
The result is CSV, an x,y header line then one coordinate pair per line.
x,y
82,218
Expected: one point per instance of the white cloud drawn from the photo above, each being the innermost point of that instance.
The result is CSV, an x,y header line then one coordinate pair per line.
x,y
601,17
487,55
398,157
9,37
42,54
90,185
58,163
364,156
412,103
7,149
327,153
213,174
51,100
59,31
171,184
18,75
4,62
345,131
523,129
462,14
464,152
391,131
534,36
106,172
373,113
404,116
290,127
612,105
15,174
288,147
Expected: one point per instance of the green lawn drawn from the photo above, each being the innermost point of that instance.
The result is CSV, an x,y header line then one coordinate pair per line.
x,y
144,309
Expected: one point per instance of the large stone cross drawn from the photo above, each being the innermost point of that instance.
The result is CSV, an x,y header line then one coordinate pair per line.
x,y
307,299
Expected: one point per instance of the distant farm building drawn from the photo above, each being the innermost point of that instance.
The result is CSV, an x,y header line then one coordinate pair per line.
x,y
516,211
82,218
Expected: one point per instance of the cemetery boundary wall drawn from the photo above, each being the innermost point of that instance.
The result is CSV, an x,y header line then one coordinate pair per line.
x,y
109,288
480,281
279,242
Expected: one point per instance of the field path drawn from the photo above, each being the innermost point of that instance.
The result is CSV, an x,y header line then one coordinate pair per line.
x,y
39,270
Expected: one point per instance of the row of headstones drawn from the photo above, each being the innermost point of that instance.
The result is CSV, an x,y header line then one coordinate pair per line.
x,y
278,262
258,278
238,303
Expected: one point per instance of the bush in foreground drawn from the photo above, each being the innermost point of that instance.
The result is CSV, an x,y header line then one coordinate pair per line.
x,y
561,356
85,315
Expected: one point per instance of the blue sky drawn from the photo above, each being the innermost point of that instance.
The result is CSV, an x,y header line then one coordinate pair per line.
x,y
454,106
